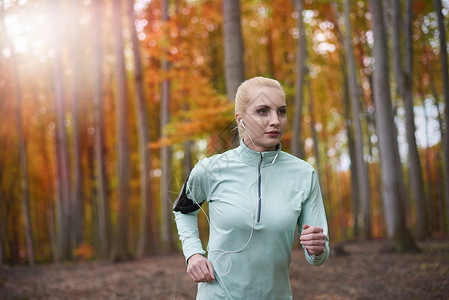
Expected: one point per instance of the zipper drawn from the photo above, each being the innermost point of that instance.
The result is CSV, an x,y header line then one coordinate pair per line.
x,y
259,179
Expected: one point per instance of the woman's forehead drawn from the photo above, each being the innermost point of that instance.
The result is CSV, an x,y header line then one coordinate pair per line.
x,y
266,96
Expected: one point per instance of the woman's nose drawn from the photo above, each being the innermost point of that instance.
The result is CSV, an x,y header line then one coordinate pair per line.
x,y
274,119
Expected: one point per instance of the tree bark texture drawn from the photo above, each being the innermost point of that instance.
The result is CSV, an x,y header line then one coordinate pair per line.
x,y
445,78
166,153
77,228
233,47
233,54
63,178
415,169
364,217
24,183
399,239
120,251
297,146
147,235
102,195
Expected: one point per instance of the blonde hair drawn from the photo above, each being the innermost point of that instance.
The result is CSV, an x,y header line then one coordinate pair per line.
x,y
242,98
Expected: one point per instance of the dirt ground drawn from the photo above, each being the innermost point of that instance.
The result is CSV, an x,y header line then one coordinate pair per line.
x,y
364,273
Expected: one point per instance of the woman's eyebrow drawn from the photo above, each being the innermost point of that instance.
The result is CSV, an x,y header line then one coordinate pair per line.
x,y
267,106
263,106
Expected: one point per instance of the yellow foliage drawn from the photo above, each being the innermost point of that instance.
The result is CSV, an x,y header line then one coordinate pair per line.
x,y
84,252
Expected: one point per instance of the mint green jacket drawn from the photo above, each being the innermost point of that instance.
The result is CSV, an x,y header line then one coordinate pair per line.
x,y
256,201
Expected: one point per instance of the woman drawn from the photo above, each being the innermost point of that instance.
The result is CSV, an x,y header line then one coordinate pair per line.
x,y
257,195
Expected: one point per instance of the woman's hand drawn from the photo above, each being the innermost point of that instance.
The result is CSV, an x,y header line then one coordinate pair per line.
x,y
200,269
312,237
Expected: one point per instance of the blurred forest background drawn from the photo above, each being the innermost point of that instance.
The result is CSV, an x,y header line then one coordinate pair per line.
x,y
105,106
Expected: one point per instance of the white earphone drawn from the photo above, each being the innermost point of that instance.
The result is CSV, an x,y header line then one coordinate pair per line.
x,y
243,125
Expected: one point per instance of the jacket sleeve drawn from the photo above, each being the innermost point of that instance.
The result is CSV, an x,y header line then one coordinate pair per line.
x,y
186,208
313,214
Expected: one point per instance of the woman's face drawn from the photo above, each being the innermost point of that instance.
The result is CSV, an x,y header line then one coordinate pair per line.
x,y
265,119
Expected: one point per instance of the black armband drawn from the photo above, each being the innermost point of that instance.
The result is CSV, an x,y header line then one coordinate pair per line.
x,y
183,203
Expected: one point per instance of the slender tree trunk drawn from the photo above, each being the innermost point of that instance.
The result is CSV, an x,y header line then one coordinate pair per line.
x,y
77,229
316,149
427,155
147,235
445,79
188,164
24,184
439,170
415,170
404,88
63,178
355,189
166,154
120,248
102,199
397,27
297,147
364,218
399,239
233,52
233,47
14,247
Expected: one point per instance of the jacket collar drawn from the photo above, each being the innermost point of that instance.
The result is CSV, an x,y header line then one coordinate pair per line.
x,y
252,157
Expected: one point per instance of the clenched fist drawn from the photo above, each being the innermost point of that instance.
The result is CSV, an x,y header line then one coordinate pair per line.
x,y
200,269
312,238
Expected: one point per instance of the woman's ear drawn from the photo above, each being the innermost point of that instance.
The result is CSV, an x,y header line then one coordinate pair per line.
x,y
238,119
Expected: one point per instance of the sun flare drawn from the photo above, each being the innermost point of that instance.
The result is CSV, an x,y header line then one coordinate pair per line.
x,y
27,29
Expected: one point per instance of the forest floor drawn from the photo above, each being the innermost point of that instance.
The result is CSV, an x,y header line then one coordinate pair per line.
x,y
363,273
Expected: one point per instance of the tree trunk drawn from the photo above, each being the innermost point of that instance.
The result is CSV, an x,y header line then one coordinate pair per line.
x,y
233,53
147,236
166,154
233,47
397,28
102,199
355,190
24,184
364,218
297,147
428,167
399,239
188,164
415,170
120,249
404,88
445,78
77,228
63,178
438,167
316,149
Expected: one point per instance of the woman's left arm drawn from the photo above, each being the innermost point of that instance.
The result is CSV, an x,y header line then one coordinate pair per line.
x,y
313,226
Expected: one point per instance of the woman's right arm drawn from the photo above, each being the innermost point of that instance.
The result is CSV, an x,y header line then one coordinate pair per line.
x,y
186,208
187,224
199,268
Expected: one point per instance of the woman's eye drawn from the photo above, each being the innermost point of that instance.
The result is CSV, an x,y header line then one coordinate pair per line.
x,y
282,111
262,111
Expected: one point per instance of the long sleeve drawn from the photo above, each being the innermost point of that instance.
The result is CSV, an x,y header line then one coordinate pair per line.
x,y
195,192
188,233
313,214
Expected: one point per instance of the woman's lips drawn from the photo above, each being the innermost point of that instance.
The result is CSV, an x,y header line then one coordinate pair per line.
x,y
273,133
